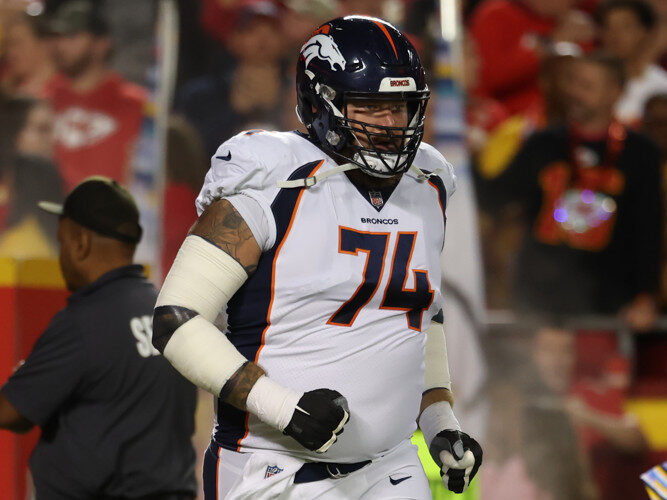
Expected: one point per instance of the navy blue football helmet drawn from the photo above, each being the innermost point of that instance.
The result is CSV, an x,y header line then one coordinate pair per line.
x,y
358,58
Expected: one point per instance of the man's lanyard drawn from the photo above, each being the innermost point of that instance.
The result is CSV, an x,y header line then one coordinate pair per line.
x,y
615,143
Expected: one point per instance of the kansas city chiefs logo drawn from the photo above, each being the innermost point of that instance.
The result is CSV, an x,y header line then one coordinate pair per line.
x,y
78,127
322,46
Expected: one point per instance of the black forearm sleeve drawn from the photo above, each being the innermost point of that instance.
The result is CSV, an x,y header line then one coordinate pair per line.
x,y
166,319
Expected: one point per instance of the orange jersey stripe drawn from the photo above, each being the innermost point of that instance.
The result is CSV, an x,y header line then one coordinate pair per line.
x,y
386,33
439,199
217,474
273,276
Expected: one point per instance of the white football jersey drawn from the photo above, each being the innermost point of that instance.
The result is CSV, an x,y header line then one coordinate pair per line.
x,y
347,283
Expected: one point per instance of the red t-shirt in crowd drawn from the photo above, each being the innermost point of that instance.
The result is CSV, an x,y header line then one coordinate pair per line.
x,y
610,466
505,32
95,131
218,19
179,215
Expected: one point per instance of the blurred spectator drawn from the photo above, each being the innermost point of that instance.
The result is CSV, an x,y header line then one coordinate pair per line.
x,y
27,63
483,114
98,113
297,26
186,167
532,451
492,138
218,17
248,95
373,8
555,77
628,31
654,125
506,137
421,23
502,230
659,47
204,27
132,31
550,435
505,473
27,175
590,193
613,439
514,36
300,17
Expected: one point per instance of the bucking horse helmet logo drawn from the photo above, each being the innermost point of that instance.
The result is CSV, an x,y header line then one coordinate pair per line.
x,y
322,46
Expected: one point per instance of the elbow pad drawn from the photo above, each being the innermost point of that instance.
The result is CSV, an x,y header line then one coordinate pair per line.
x,y
166,320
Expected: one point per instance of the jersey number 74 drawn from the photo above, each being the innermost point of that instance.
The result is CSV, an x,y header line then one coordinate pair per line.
x,y
396,297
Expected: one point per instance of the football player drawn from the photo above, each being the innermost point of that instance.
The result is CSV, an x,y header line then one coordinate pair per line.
x,y
325,249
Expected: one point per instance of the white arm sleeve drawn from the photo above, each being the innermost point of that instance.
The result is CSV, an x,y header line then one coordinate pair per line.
x,y
438,416
437,365
203,278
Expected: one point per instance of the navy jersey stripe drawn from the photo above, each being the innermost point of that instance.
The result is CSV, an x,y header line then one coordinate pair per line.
x,y
437,183
210,471
249,308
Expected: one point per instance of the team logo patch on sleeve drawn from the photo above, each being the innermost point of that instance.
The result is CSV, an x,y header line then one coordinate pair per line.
x,y
272,470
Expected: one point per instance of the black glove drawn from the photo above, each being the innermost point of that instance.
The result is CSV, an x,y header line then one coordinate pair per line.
x,y
458,456
318,419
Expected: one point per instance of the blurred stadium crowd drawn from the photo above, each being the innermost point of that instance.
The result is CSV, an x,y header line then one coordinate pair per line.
x,y
566,110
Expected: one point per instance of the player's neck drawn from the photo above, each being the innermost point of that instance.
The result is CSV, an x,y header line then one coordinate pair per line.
x,y
90,78
635,66
365,181
594,126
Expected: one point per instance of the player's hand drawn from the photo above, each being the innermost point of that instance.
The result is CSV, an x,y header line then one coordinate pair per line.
x,y
458,456
318,419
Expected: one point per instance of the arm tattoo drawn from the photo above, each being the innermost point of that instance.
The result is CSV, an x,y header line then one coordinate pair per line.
x,y
236,389
223,226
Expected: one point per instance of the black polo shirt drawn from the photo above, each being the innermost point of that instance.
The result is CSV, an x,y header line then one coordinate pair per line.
x,y
116,418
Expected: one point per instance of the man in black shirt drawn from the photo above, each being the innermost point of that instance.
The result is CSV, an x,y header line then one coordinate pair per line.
x,y
116,418
590,193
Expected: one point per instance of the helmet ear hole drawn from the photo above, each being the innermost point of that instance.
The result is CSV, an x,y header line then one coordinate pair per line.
x,y
333,138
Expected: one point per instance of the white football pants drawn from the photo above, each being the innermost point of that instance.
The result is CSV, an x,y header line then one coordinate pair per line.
x,y
264,475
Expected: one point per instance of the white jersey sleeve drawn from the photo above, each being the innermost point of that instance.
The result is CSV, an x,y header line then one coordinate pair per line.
x,y
238,175
254,215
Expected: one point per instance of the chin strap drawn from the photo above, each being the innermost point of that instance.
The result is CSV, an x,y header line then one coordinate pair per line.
x,y
421,175
311,181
